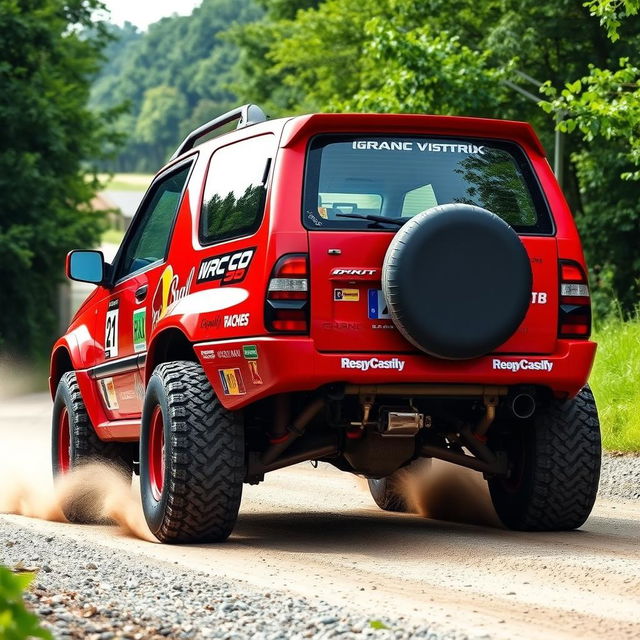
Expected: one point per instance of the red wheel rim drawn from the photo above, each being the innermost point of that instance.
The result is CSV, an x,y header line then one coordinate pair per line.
x,y
64,441
156,453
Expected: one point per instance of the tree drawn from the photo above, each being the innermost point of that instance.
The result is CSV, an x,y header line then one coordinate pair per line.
x,y
49,139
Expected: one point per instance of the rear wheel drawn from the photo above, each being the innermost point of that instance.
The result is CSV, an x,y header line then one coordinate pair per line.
x,y
74,443
555,468
384,492
192,461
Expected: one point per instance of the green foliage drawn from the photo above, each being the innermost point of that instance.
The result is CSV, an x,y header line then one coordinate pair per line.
x,y
171,79
48,140
614,381
16,623
454,57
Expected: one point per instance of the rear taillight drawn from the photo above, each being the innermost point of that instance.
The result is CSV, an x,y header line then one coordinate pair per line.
x,y
575,302
287,304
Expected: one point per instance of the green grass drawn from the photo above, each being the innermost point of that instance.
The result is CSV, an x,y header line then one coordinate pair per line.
x,y
127,181
112,236
615,381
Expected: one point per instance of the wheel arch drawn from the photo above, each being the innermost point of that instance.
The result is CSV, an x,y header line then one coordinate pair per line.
x,y
61,363
166,346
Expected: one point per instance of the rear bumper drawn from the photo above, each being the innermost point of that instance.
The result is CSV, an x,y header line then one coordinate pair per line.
x,y
245,370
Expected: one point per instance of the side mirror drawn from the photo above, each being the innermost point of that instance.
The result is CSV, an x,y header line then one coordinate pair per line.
x,y
85,266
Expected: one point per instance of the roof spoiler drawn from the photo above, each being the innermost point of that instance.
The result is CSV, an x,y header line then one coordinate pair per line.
x,y
246,115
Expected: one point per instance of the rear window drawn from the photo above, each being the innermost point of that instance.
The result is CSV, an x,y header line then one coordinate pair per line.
x,y
399,177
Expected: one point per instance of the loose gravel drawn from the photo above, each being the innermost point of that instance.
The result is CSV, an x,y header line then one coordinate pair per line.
x,y
82,591
620,477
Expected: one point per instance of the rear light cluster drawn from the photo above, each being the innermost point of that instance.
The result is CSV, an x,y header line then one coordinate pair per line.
x,y
575,302
287,304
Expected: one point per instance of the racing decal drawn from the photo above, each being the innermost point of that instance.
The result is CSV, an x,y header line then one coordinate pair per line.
x,y
346,295
208,354
250,352
341,326
237,320
211,323
139,330
225,354
168,292
229,268
378,309
109,394
357,274
538,297
232,383
372,363
410,145
522,365
111,330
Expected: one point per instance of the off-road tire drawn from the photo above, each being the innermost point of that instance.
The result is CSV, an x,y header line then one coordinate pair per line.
x,y
384,495
555,482
84,447
204,457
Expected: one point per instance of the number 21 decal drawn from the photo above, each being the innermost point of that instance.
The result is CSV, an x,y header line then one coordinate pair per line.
x,y
111,330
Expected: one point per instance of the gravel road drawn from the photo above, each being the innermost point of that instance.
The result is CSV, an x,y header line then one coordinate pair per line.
x,y
312,557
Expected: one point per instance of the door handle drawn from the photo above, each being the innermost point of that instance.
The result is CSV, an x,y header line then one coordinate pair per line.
x,y
141,292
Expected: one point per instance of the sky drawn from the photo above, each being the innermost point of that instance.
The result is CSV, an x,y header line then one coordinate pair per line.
x,y
144,12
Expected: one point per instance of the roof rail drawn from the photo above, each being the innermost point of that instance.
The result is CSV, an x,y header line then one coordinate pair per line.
x,y
247,115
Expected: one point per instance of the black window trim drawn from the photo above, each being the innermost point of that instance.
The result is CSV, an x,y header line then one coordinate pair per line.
x,y
135,222
520,157
209,242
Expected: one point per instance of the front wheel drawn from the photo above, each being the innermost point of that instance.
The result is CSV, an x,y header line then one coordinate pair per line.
x,y
192,462
555,468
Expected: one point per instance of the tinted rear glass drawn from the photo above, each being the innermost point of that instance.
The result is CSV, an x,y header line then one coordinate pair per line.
x,y
399,177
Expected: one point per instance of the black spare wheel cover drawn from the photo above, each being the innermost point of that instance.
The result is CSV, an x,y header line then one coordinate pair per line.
x,y
457,281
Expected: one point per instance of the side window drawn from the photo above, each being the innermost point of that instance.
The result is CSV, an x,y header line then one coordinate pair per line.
x,y
418,200
234,194
149,240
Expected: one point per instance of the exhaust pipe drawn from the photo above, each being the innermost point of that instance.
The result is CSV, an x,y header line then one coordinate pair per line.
x,y
523,405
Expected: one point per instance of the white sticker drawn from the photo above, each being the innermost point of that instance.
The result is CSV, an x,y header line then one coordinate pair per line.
x,y
522,365
538,297
372,363
109,394
237,320
111,331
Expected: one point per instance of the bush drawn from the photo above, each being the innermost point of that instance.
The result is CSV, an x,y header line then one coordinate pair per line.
x,y
615,381
16,623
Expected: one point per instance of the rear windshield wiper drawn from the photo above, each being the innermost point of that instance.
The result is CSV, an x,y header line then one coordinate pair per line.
x,y
372,217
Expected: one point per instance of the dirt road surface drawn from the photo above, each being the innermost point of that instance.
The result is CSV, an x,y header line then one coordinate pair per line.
x,y
317,533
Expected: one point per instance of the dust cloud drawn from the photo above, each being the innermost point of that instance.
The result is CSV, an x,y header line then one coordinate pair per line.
x,y
443,491
94,492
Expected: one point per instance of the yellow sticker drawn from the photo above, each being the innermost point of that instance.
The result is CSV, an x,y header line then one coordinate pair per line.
x,y
323,212
346,295
232,382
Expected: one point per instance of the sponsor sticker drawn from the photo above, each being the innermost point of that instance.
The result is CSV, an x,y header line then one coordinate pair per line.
x,y
140,330
522,365
237,320
109,394
346,295
232,383
340,271
228,353
208,354
410,145
168,292
111,330
228,268
378,309
250,351
538,297
255,374
372,363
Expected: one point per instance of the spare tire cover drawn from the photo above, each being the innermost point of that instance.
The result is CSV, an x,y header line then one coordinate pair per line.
x,y
457,281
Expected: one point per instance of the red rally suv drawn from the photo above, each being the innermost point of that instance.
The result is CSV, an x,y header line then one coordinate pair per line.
x,y
359,289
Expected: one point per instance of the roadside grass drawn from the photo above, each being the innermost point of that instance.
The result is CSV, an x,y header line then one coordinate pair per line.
x,y
126,181
112,236
615,381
